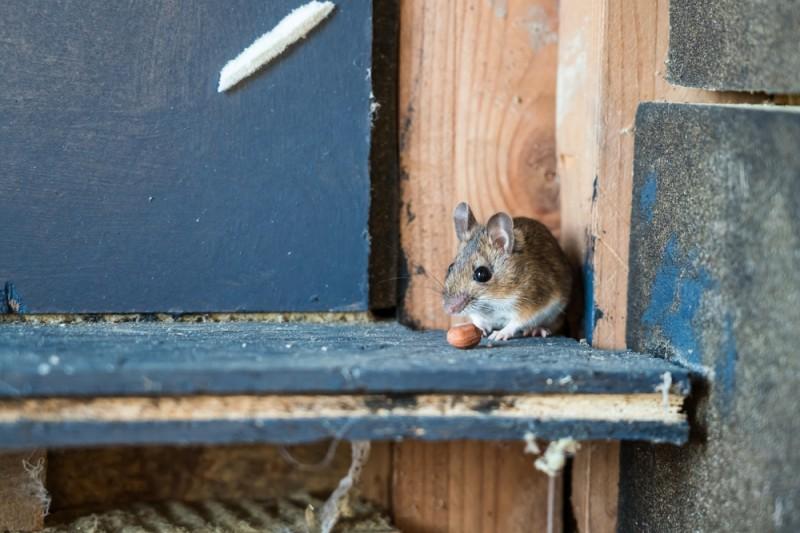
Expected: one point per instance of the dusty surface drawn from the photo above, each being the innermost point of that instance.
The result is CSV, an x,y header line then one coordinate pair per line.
x,y
735,45
715,284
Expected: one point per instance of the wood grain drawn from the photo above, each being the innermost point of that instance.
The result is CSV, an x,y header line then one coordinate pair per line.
x,y
611,58
95,478
22,476
595,478
470,487
477,100
476,104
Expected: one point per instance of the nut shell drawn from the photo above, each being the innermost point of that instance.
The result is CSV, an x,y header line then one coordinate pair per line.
x,y
464,336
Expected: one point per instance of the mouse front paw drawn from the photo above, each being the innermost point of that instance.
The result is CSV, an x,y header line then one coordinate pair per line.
x,y
537,331
504,334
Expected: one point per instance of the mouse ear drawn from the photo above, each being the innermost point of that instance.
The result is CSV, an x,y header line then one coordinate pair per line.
x,y
501,232
464,220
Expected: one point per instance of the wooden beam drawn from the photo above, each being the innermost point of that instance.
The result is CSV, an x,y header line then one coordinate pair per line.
x,y
23,499
612,56
477,86
476,103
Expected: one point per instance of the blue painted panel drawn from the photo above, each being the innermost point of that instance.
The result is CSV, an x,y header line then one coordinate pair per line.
x,y
233,358
129,185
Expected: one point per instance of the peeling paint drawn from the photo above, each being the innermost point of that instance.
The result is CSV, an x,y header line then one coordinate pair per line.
x,y
588,290
647,196
12,301
675,300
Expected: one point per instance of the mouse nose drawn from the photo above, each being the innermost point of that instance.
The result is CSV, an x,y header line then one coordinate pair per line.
x,y
455,304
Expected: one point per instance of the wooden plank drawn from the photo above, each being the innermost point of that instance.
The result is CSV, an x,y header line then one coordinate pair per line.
x,y
470,487
151,191
158,358
291,419
23,499
595,479
477,97
612,55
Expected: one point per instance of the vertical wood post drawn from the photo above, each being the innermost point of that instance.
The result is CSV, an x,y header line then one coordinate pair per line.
x,y
477,123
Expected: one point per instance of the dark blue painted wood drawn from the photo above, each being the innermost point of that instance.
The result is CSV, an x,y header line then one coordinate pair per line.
x,y
175,359
128,184
25,435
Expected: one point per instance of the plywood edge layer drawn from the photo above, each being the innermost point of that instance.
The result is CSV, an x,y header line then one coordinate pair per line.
x,y
666,409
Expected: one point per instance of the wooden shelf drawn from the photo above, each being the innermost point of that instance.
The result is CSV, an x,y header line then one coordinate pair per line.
x,y
106,383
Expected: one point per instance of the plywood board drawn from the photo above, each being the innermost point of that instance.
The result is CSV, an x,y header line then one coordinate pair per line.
x,y
155,358
130,185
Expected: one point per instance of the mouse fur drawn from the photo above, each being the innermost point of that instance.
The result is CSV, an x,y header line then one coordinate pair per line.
x,y
531,278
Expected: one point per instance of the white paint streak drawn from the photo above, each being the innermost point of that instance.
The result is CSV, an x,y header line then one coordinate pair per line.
x,y
293,27
571,74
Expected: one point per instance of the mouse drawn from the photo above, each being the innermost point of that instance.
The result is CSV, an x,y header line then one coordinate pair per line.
x,y
510,276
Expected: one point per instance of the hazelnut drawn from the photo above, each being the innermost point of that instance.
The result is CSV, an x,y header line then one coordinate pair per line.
x,y
464,336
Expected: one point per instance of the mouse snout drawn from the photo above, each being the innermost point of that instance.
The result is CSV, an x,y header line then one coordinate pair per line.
x,y
456,303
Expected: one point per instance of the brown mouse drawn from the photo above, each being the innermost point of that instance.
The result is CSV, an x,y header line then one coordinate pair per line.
x,y
510,276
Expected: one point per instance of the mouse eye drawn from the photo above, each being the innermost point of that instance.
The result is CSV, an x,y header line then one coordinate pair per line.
x,y
450,268
482,274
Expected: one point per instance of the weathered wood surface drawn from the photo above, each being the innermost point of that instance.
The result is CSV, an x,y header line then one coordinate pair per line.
x,y
595,486
129,185
735,45
236,358
470,487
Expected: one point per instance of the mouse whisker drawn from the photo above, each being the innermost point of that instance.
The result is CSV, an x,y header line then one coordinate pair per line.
x,y
387,280
427,275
